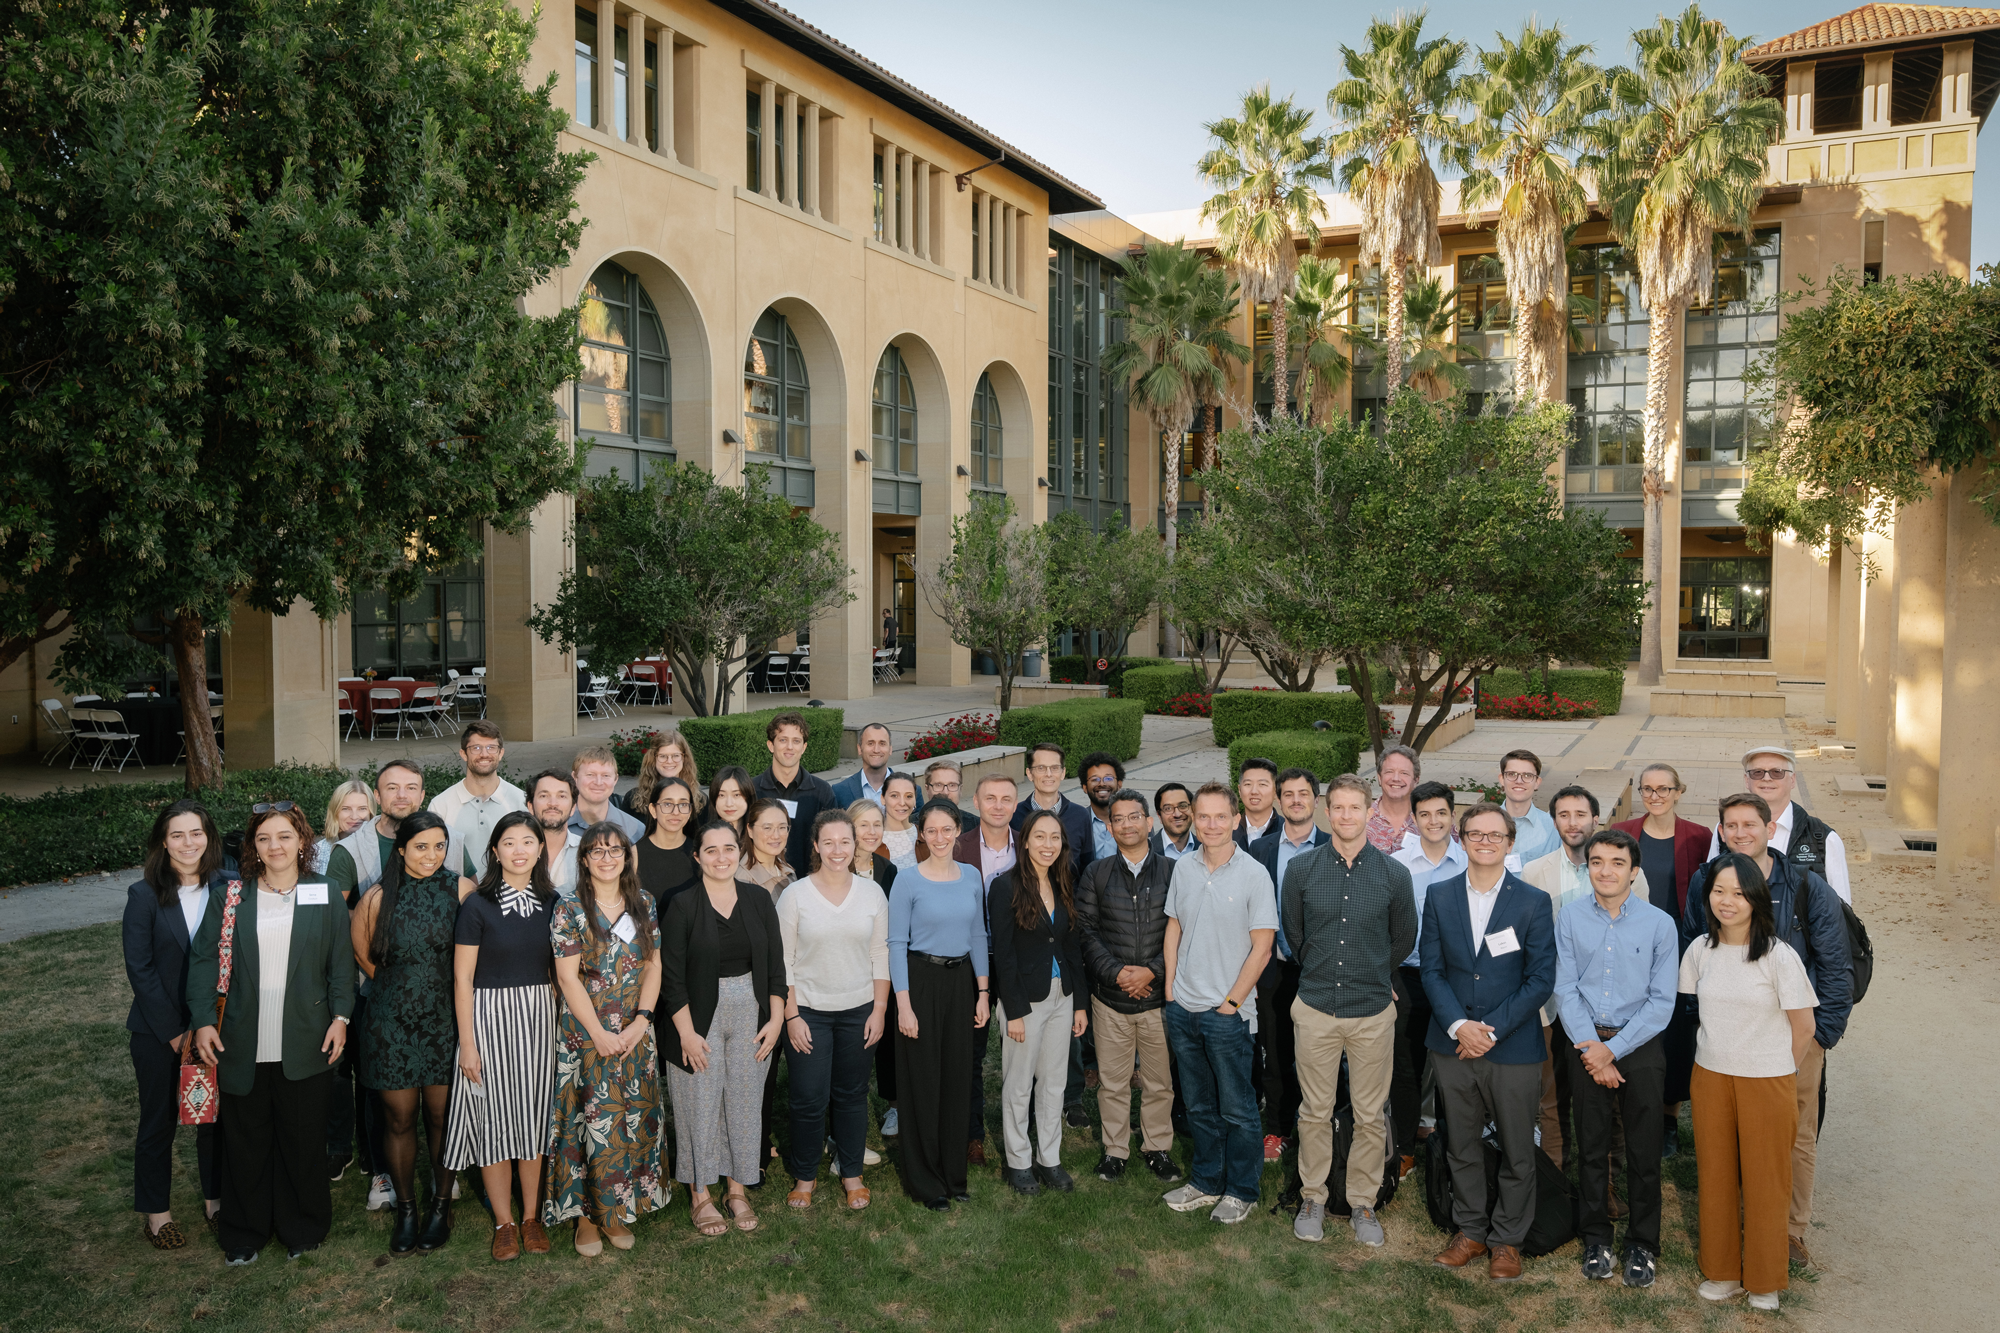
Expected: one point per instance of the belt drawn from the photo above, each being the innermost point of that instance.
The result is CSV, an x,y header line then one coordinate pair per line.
x,y
1606,1034
940,960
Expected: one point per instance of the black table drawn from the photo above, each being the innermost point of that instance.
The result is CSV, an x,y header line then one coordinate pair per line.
x,y
156,722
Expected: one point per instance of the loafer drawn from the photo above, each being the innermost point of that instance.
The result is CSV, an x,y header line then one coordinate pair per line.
x,y
1597,1263
1021,1180
1462,1251
1055,1178
1231,1210
1161,1164
1310,1224
1368,1228
1110,1168
1503,1264
1639,1271
1188,1198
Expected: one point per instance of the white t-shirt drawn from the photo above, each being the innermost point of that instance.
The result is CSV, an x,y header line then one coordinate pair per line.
x,y
274,957
834,955
1744,1032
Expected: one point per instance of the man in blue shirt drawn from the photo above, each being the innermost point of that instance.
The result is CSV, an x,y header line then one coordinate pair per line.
x,y
1617,965
873,747
1102,777
1535,832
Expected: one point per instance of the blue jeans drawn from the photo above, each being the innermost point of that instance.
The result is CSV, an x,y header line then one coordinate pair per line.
x,y
1212,1053
829,1084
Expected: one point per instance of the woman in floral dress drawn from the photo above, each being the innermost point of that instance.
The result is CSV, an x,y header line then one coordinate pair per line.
x,y
604,1145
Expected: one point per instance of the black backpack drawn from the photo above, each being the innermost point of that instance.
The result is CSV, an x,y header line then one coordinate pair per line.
x,y
1860,951
1555,1221
1343,1145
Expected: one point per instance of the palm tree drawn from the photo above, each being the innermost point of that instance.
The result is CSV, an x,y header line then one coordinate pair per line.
x,y
1177,313
1430,340
1264,167
1682,156
1535,100
1317,312
1393,107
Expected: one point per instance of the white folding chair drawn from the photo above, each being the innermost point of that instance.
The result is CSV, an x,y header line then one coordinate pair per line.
x,y
473,687
344,711
381,704
425,707
799,676
60,727
644,682
778,673
610,692
448,701
110,738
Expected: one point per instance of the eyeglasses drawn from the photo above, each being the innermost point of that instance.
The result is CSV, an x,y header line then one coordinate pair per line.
x,y
605,854
1129,817
1108,780
1766,774
1483,837
1660,792
675,807
1047,770
482,749
1520,775
272,807
944,789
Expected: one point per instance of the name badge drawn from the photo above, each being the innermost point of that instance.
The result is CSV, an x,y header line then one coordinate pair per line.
x,y
791,807
312,895
625,930
1513,862
1502,942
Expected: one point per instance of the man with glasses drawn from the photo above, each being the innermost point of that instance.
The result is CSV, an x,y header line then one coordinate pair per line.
x,y
1278,986
1535,833
1102,776
942,782
1174,804
1807,842
473,805
1046,767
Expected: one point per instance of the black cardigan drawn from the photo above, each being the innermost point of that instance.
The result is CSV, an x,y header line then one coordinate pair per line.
x,y
1021,957
689,947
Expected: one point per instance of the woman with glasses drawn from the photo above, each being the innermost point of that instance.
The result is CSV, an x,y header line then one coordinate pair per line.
x,y
766,831
1671,849
669,757
899,803
403,931
503,970
666,857
937,967
604,1148
729,797
723,989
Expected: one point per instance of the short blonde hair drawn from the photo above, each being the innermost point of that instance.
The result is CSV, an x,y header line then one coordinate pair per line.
x,y
352,787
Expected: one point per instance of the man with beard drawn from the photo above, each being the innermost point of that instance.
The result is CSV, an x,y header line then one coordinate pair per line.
x,y
552,799
1174,804
473,805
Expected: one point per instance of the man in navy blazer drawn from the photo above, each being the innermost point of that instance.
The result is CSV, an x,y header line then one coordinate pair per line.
x,y
1278,985
873,745
1046,766
1489,964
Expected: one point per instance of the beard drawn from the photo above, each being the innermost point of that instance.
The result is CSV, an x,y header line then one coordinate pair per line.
x,y
563,822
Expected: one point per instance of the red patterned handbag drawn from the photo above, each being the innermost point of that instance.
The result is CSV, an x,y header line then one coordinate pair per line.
x,y
200,1094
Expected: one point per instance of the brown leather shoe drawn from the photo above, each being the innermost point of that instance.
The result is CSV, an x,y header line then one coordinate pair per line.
x,y
1503,1264
1800,1255
1462,1251
506,1242
975,1152
534,1238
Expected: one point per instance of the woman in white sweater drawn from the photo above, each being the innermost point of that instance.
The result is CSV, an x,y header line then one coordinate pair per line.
x,y
835,926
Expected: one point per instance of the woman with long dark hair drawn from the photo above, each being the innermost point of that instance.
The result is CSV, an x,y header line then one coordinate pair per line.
x,y
1038,975
1756,1007
504,995
761,846
730,793
404,929
163,913
604,1144
665,855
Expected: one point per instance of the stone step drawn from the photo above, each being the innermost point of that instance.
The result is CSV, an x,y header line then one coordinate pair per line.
x,y
1718,678
1716,703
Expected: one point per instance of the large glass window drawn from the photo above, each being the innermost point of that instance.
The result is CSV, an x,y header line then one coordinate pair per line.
x,y
442,627
895,415
586,67
776,397
753,142
987,450
1607,372
1721,425
1371,377
1485,334
624,395
1088,445
1725,608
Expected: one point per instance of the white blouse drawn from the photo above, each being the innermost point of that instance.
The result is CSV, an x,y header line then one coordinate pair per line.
x,y
274,958
834,955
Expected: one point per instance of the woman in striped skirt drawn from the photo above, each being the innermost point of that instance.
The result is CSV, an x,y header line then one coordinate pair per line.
x,y
506,1032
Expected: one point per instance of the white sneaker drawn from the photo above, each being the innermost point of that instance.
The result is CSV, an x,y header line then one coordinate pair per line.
x,y
1187,1198
889,1125
1231,1211
1720,1291
1764,1300
381,1194
454,1184
869,1157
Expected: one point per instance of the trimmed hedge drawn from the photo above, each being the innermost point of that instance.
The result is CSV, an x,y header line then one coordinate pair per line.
x,y
1327,754
738,738
1246,712
1385,680
1076,667
1152,686
1079,726
1605,688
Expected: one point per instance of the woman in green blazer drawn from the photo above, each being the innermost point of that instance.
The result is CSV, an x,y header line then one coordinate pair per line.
x,y
291,992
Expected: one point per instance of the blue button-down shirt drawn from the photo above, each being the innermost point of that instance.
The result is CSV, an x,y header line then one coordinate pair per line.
x,y
1102,844
1616,972
1422,875
1287,849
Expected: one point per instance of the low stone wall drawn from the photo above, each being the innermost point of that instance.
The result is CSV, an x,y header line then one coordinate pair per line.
x,y
1716,703
1028,692
1457,725
987,760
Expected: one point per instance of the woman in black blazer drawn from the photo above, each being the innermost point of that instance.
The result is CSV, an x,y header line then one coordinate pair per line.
x,y
1038,977
723,989
162,913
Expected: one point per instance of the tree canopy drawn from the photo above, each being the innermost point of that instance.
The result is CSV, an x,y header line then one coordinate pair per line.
x,y
992,590
1104,581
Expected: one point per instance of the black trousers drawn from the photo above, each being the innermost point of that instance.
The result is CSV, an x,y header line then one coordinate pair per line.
x,y
1639,1101
158,1072
274,1162
885,1053
353,1105
931,1076
1406,1083
982,1045
1678,1042
1277,1048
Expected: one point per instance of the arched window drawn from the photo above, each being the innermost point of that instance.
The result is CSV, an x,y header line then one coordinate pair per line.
x,y
624,395
986,450
895,415
776,397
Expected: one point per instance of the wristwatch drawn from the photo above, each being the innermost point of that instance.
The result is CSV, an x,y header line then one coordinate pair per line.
x,y
646,1014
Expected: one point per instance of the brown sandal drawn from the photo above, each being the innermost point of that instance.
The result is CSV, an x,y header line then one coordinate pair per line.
x,y
746,1216
168,1237
857,1198
802,1194
712,1225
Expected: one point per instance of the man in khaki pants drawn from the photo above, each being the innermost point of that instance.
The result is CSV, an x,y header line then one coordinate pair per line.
x,y
1121,912
1349,916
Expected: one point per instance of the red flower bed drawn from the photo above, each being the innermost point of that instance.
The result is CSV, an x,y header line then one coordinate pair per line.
x,y
1535,708
1430,699
1192,704
631,747
968,731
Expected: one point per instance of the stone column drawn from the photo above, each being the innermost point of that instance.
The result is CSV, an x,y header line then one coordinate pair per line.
x,y
1968,799
1844,645
990,240
767,154
1877,634
905,189
664,56
1916,659
1007,220
607,66
920,207
635,79
530,685
790,191
810,200
277,688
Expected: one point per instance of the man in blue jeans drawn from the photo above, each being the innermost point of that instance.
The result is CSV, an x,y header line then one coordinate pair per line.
x,y
1222,916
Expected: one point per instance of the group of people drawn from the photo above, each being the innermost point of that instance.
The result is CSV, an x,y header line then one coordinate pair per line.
x,y
493,965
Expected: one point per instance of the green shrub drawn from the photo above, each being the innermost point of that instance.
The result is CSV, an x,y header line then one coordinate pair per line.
x,y
1079,726
1605,688
1385,680
1326,754
1076,668
1245,712
1154,685
738,738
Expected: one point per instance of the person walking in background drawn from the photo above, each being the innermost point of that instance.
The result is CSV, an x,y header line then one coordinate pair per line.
x,y
665,854
552,798
606,1122
888,627
1038,976
595,770
163,914
1520,779
835,928
1756,1004
1298,803
729,797
471,806
505,1002
803,795
723,989
669,757
289,983
1221,916
403,934
938,969
874,748
1431,854
900,799
763,848
1392,819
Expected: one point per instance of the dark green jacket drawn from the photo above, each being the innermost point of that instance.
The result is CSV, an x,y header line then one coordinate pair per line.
x,y
319,985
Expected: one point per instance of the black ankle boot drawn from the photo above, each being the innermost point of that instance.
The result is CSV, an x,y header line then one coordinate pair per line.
x,y
437,1227
403,1235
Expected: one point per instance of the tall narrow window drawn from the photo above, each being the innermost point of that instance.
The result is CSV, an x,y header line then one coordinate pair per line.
x,y
1871,250
978,246
786,184
1609,328
586,67
624,395
986,438
895,415
776,397
653,95
753,144
621,102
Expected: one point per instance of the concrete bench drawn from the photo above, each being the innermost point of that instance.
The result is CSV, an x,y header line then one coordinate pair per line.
x,y
1716,703
986,761
1457,725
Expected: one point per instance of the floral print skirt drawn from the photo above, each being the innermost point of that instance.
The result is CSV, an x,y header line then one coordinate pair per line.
x,y
604,1132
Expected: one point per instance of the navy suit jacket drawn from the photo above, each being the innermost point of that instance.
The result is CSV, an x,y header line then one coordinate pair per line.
x,y
156,960
1242,835
848,790
1265,849
1076,824
1463,979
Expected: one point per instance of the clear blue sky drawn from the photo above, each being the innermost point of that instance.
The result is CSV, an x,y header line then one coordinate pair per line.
x,y
1114,94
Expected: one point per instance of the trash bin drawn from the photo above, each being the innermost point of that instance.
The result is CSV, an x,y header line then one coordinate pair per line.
x,y
1031,663
982,665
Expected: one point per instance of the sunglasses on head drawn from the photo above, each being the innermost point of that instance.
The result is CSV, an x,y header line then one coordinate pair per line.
x,y
272,807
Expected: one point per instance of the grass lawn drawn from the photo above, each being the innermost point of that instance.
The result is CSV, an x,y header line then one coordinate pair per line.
x,y
1109,1256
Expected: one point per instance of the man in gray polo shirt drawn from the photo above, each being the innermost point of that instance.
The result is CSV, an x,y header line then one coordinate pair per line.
x,y
1222,916
1349,915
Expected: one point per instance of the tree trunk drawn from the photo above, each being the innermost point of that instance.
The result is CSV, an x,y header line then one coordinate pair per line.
x,y
187,640
1171,492
1363,684
1281,396
1527,354
1394,320
1007,666
1446,696
1654,486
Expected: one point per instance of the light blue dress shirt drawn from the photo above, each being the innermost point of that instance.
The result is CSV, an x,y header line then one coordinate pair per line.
x,y
1616,972
1422,875
1535,836
1102,844
1287,849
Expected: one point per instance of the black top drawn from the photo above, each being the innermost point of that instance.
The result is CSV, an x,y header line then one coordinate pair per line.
x,y
514,950
1656,858
1122,919
1024,959
883,872
803,799
663,872
732,951
690,951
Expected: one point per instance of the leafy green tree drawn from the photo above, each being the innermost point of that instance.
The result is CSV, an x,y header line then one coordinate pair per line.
x,y
708,573
261,341
1201,583
1683,155
1265,168
992,590
1103,582
1317,311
